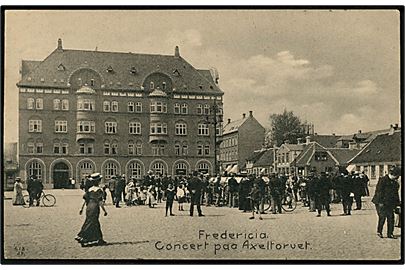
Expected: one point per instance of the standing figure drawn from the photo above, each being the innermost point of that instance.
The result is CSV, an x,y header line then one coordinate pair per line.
x,y
358,189
244,189
90,233
311,191
256,199
181,196
233,189
30,189
275,186
18,195
322,186
119,189
195,187
386,199
344,184
111,186
170,192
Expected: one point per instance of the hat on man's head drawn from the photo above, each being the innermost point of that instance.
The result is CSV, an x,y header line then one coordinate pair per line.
x,y
395,171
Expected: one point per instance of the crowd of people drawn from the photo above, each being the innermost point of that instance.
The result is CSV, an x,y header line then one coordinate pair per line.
x,y
248,193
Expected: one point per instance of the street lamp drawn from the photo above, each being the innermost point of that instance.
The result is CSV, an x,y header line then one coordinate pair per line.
x,y
215,121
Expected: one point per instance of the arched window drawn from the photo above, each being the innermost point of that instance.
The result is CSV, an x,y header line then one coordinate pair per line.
x,y
177,108
35,168
177,148
199,109
184,108
110,169
203,167
139,148
56,104
106,106
114,148
107,147
135,170
181,169
200,149
203,129
158,168
114,106
181,128
30,103
206,109
131,148
135,127
65,104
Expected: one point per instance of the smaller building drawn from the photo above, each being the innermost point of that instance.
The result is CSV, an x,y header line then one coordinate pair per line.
x,y
321,159
286,155
376,158
239,139
10,165
264,163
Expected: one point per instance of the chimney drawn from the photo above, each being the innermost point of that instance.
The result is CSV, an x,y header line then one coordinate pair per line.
x,y
177,51
392,129
396,126
307,139
244,115
229,120
299,141
359,131
60,44
333,134
250,113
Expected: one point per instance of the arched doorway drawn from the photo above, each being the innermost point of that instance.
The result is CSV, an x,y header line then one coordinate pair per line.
x,y
60,175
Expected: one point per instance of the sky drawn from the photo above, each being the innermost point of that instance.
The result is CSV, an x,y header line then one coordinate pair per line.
x,y
338,69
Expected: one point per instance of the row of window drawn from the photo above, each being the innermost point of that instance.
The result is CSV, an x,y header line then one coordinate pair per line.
x,y
112,106
111,148
111,168
229,155
111,127
230,142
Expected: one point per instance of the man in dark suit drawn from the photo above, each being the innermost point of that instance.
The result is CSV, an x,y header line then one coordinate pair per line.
x,y
30,189
276,191
386,199
195,187
345,189
322,186
111,186
119,190
233,189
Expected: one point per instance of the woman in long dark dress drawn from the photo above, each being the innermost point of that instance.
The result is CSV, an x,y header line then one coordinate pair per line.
x,y
91,234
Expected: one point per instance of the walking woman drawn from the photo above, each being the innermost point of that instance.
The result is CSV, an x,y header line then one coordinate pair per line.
x,y
90,234
18,196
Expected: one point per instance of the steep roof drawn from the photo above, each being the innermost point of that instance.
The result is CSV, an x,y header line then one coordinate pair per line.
x,y
266,159
384,148
56,69
294,147
233,126
255,155
305,156
325,140
343,155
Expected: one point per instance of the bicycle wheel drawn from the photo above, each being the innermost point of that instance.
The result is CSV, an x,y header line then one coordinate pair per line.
x,y
267,204
27,201
289,204
48,200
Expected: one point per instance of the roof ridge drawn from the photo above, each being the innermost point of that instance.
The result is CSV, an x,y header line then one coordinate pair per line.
x,y
115,52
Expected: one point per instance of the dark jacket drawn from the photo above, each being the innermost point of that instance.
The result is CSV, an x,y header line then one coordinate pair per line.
x,y
195,185
386,192
233,184
322,186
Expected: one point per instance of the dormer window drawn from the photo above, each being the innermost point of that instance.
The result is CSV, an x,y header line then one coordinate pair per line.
x,y
152,85
110,69
61,67
133,70
201,87
176,72
164,85
92,82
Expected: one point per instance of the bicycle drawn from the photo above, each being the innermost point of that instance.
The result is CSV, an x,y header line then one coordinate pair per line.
x,y
288,202
48,200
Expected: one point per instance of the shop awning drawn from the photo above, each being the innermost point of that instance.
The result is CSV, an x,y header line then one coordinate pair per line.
x,y
235,169
351,168
228,168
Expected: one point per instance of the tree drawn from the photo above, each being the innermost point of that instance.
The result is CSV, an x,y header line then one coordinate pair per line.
x,y
286,127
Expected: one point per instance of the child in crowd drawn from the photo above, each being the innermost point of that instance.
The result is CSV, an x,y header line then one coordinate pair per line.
x,y
170,192
181,197
255,199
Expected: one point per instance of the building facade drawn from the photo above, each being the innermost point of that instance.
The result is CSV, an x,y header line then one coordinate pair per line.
x,y
377,157
10,165
116,113
239,139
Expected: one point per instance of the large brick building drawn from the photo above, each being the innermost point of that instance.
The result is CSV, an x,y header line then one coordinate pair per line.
x,y
239,139
115,113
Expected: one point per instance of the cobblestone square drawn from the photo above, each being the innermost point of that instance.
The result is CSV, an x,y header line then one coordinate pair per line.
x,y
141,232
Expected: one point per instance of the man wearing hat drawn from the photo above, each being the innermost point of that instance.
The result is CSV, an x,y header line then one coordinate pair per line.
x,y
111,186
386,199
195,187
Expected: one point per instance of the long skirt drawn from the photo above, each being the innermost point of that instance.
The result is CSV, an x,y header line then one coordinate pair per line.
x,y
91,229
18,198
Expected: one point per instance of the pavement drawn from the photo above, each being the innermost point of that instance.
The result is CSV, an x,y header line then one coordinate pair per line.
x,y
140,232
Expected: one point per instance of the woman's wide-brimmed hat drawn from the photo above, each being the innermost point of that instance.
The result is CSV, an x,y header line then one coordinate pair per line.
x,y
96,176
